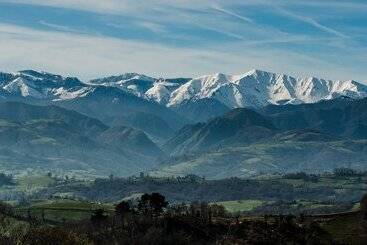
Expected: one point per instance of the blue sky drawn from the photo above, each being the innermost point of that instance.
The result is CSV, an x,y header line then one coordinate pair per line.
x,y
93,38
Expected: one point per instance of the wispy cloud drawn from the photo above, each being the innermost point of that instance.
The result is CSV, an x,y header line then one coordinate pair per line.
x,y
221,31
169,11
65,52
231,13
344,6
127,6
153,27
21,48
115,6
311,22
150,26
109,6
60,27
198,36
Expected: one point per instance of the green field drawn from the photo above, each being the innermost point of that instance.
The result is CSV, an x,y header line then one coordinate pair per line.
x,y
34,181
63,209
242,205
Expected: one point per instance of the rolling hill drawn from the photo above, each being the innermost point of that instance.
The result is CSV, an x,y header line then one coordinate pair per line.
x,y
49,138
278,139
239,125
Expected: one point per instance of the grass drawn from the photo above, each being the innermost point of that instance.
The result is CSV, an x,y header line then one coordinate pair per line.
x,y
13,227
242,205
311,204
64,209
345,229
356,207
70,204
28,182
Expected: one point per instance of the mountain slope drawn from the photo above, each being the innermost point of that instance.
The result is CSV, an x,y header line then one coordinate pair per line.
x,y
201,110
109,103
49,138
155,127
197,99
105,99
33,85
343,117
22,113
298,124
308,137
143,86
237,126
269,157
122,138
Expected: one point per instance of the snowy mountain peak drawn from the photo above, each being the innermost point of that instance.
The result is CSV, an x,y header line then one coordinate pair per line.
x,y
158,93
121,79
255,88
134,83
39,85
256,72
22,87
258,88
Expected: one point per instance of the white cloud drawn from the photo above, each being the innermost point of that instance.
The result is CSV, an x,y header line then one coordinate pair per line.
x,y
101,6
59,27
136,7
115,6
156,14
92,56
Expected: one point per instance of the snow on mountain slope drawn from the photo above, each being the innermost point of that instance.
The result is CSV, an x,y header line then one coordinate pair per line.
x,y
134,83
158,93
161,90
158,90
24,88
252,89
259,88
42,86
65,94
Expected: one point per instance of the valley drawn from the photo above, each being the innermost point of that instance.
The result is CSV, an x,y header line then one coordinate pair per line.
x,y
290,155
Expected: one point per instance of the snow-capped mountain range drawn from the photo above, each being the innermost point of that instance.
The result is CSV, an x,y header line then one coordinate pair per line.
x,y
41,86
125,120
252,89
259,88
